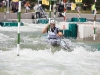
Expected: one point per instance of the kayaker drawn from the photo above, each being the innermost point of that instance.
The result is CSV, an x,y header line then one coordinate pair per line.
x,y
52,30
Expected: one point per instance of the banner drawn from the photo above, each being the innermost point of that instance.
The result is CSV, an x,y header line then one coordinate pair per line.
x,y
15,0
78,1
45,2
73,6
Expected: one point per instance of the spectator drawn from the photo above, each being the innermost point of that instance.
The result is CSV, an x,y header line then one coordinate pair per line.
x,y
84,6
4,3
37,10
93,8
54,10
23,2
60,9
0,4
68,5
42,12
14,8
27,7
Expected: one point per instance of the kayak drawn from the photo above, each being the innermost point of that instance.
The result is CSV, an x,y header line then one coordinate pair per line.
x,y
54,42
58,42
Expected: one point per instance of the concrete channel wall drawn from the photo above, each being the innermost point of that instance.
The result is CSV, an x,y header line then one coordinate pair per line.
x,y
85,30
29,16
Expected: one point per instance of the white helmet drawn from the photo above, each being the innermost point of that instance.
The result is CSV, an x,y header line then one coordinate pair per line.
x,y
39,5
52,21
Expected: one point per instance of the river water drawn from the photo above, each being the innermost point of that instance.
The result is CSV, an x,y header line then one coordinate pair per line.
x,y
36,57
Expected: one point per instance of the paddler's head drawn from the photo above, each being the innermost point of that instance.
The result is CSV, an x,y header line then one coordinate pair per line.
x,y
52,24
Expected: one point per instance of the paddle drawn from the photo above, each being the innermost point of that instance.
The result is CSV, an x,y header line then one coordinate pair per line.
x,y
49,27
64,44
40,36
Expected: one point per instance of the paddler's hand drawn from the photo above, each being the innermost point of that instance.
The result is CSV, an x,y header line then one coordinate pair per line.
x,y
59,34
45,29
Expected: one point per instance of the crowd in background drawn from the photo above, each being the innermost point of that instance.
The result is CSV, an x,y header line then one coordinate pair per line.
x,y
2,3
58,7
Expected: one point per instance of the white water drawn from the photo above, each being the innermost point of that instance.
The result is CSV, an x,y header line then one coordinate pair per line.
x,y
80,61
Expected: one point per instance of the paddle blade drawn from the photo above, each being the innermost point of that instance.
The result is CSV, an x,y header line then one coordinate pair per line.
x,y
48,27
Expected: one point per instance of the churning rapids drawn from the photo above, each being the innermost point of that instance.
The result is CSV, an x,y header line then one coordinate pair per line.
x,y
38,58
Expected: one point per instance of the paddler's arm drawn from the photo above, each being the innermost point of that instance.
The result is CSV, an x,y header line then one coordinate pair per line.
x,y
45,29
60,34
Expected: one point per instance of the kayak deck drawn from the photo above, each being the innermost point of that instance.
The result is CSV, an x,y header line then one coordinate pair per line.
x,y
54,42
58,42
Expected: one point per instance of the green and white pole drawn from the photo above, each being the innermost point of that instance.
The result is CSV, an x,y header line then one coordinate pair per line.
x,y
18,41
94,20
50,11
7,6
64,1
54,10
4,13
38,2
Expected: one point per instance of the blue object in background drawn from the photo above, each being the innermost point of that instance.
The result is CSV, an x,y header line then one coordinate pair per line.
x,y
10,24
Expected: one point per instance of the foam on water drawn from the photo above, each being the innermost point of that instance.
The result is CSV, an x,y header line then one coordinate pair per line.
x,y
81,60
44,62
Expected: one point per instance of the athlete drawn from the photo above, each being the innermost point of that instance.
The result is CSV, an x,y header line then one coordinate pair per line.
x,y
55,35
52,30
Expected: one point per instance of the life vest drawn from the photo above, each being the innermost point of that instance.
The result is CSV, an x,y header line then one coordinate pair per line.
x,y
52,33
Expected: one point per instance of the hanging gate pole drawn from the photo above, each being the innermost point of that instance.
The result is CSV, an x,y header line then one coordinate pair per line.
x,y
94,31
18,41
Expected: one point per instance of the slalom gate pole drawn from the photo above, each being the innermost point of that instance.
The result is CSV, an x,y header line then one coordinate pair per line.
x,y
18,41
38,2
94,20
54,10
64,16
50,11
78,9
4,13
7,6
